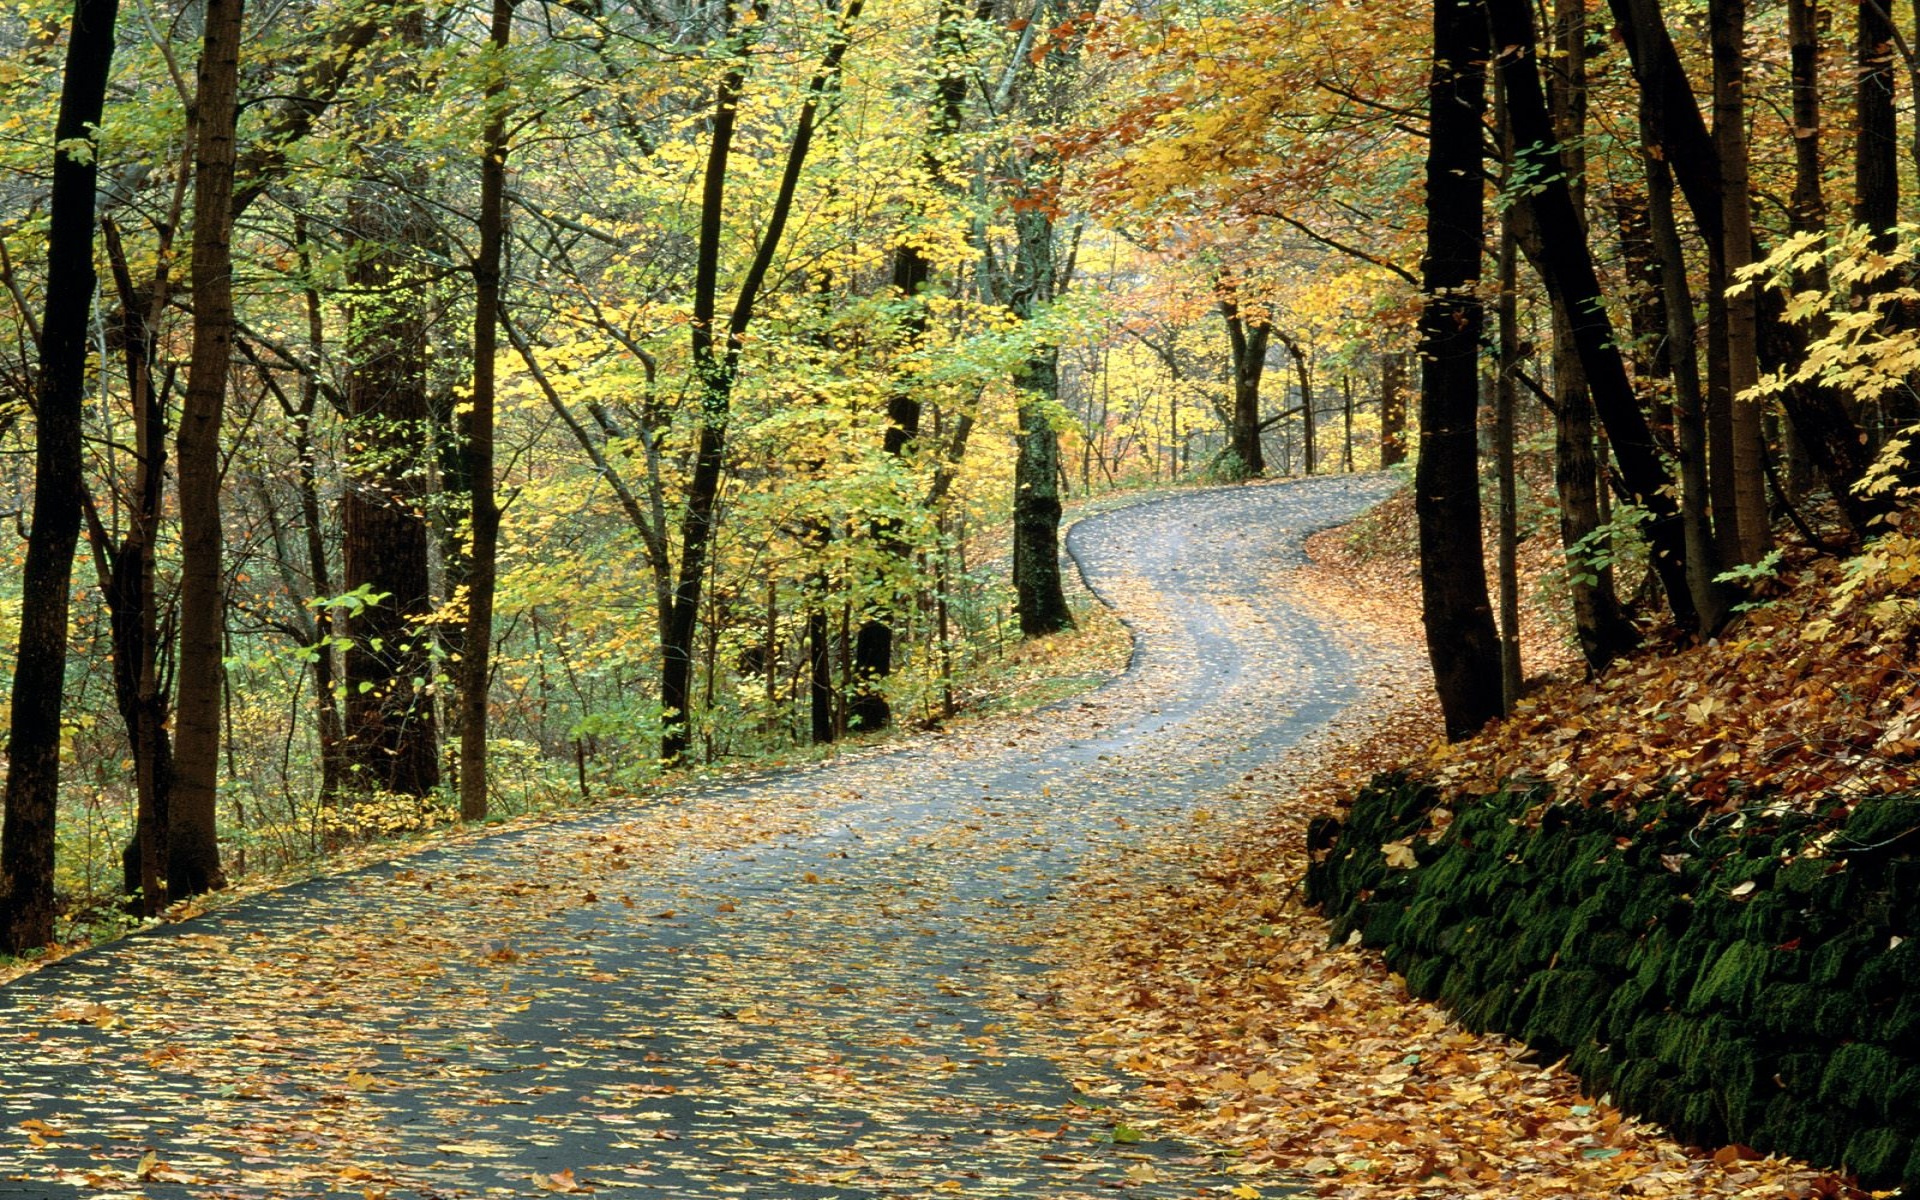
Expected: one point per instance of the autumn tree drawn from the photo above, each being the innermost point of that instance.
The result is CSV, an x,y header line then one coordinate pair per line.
x,y
39,673
1461,640
193,844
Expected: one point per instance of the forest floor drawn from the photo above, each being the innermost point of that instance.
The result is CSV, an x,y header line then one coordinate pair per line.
x,y
1050,955
811,983
1219,988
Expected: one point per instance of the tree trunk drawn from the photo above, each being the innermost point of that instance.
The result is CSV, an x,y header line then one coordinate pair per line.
x,y
716,359
1566,265
193,847
128,582
1507,554
40,667
1247,338
392,735
873,646
1461,640
1876,173
1728,27
482,553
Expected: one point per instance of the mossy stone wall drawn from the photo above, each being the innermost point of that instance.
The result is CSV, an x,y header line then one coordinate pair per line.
x,y
1785,1015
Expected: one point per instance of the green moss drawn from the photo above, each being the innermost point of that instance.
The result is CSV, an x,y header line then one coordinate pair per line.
x,y
1797,1129
1733,980
1836,961
1901,1025
1426,974
1860,1077
1903,1101
1878,1156
1883,819
1798,878
1565,1008
1766,1019
1891,972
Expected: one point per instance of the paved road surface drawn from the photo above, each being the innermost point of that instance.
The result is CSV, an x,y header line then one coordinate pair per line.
x,y
814,984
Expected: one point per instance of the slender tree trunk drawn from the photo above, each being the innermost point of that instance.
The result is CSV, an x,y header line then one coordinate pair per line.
x,y
820,693
1461,639
193,847
1728,27
716,359
1507,311
40,667
485,510
327,723
1876,172
912,270
129,585
1247,338
1600,625
1566,265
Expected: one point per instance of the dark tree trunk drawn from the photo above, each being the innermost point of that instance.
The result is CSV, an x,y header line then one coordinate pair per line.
x,y
40,667
1876,172
1507,543
1461,639
392,736
873,646
820,695
484,509
716,359
128,581
1746,450
1600,625
1041,599
1566,266
1247,337
193,846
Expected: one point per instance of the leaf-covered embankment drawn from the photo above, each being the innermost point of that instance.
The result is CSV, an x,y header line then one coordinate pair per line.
x,y
1220,993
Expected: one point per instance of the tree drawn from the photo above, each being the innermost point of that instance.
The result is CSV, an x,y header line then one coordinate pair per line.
x,y
912,271
193,845
483,532
716,348
392,736
39,675
1247,335
1461,640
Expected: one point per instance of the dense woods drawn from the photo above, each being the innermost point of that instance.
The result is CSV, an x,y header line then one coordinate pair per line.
x,y
409,407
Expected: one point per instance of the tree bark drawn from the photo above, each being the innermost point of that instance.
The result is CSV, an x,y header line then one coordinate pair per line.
x,y
716,360
1566,265
1727,23
193,847
484,509
1876,173
392,735
1247,338
40,666
1461,640
873,645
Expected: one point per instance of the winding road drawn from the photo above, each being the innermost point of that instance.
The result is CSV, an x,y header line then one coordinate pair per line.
x,y
811,984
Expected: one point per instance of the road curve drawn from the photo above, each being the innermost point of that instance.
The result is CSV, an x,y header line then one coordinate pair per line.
x,y
811,984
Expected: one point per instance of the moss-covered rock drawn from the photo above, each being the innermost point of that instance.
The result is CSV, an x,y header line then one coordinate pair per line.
x,y
1726,976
